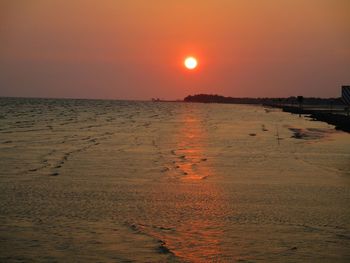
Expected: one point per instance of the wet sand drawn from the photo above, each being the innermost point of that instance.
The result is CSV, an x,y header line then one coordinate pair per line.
x,y
118,181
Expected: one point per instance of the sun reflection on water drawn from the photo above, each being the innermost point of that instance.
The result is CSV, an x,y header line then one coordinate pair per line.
x,y
191,159
199,230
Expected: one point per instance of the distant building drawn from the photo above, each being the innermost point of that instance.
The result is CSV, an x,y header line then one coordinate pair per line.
x,y
345,94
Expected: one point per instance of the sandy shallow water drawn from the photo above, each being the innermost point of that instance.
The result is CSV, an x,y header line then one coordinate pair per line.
x,y
119,181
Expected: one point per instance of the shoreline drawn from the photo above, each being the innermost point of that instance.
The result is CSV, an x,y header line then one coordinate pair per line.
x,y
333,117
317,112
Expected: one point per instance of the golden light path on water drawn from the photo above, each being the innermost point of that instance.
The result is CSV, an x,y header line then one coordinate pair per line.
x,y
120,181
200,235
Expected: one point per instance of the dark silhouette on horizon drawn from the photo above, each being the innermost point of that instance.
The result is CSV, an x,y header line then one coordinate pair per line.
x,y
214,98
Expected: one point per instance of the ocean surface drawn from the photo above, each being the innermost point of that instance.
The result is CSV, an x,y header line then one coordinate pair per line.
x,y
120,181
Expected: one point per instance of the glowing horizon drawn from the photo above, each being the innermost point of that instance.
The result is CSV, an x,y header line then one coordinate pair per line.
x,y
135,49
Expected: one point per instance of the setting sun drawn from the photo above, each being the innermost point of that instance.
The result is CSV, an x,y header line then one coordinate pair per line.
x,y
190,63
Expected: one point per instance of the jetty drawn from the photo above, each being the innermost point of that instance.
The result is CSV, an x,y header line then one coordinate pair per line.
x,y
337,116
334,111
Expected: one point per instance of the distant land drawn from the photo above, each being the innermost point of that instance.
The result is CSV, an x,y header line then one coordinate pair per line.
x,y
209,98
330,110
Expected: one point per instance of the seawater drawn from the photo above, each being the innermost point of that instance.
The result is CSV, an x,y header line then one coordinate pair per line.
x,y
123,181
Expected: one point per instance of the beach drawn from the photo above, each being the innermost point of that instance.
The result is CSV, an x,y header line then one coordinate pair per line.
x,y
128,181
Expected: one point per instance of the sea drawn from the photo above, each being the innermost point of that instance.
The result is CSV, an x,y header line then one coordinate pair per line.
x,y
139,181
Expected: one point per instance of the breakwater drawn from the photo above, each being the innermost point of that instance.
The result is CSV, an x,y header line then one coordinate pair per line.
x,y
337,117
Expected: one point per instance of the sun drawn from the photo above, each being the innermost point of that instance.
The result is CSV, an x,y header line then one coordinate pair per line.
x,y
190,63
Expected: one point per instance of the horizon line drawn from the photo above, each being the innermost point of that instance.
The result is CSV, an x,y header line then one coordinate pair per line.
x,y
150,99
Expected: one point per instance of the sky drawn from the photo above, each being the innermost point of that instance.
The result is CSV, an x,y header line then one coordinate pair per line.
x,y
134,49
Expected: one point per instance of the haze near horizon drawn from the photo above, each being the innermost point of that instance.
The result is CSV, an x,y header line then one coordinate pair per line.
x,y
135,49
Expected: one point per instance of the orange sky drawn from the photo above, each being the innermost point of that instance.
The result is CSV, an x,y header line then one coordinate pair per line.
x,y
133,49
